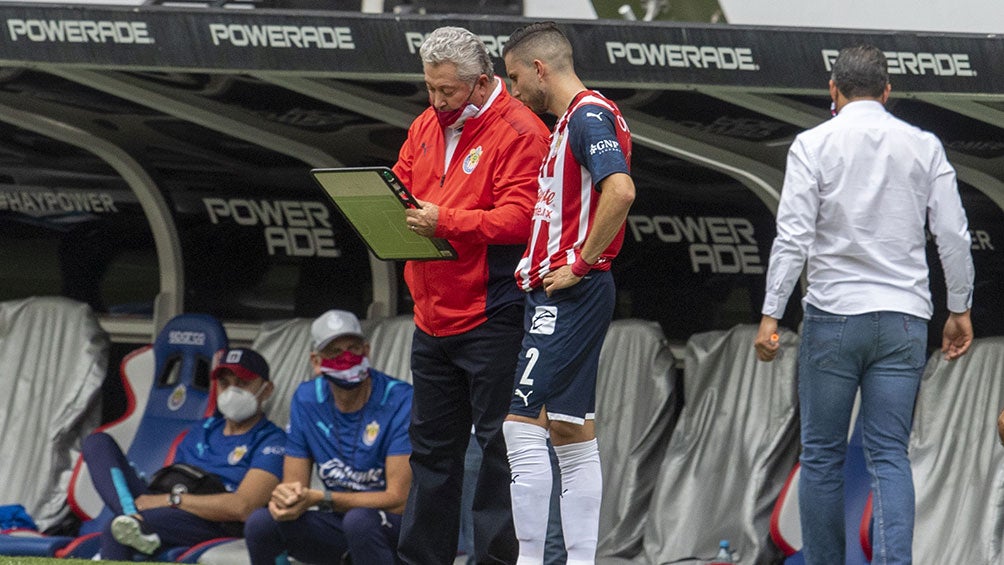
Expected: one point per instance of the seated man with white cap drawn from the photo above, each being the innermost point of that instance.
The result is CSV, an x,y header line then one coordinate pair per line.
x,y
352,421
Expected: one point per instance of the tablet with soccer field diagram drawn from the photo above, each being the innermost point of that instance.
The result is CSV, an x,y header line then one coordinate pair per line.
x,y
373,200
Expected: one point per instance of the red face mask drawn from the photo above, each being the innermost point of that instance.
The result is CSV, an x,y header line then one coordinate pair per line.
x,y
347,370
449,117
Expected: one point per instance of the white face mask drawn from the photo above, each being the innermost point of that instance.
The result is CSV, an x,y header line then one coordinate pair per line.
x,y
237,404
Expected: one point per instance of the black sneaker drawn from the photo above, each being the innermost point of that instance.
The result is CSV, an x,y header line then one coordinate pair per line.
x,y
129,530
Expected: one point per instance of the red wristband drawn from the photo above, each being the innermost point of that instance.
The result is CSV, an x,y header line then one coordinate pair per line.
x,y
580,268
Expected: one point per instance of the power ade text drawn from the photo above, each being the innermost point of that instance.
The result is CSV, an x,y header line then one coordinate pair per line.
x,y
79,31
682,56
298,229
720,245
302,37
494,43
908,63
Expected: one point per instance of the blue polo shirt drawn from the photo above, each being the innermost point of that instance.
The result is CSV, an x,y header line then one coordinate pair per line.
x,y
230,457
351,449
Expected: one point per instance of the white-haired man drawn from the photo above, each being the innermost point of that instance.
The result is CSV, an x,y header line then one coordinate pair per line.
x,y
471,159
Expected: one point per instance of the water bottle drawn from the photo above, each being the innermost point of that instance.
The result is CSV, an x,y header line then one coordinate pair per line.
x,y
724,556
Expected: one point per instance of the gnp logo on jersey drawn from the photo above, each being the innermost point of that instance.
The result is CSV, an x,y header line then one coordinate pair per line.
x,y
237,454
371,433
177,398
604,146
472,159
544,319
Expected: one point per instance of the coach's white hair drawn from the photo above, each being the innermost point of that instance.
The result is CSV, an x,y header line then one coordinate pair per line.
x,y
462,48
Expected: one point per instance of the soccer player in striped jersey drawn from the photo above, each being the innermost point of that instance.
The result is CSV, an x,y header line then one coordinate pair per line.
x,y
584,193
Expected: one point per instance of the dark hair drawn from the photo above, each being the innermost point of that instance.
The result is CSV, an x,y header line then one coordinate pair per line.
x,y
540,40
861,71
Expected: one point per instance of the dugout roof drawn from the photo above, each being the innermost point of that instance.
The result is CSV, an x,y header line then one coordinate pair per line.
x,y
184,108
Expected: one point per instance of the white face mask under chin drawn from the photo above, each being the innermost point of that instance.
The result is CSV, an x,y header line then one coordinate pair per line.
x,y
237,404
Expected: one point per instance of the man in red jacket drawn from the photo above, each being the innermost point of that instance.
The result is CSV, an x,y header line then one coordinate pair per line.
x,y
471,159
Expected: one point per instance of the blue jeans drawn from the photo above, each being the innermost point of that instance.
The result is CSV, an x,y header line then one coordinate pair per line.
x,y
883,354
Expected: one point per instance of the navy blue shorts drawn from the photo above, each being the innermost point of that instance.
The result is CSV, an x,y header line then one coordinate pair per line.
x,y
561,349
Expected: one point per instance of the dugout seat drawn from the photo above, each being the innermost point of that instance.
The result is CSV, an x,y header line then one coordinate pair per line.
x,y
53,359
957,461
638,400
734,443
168,389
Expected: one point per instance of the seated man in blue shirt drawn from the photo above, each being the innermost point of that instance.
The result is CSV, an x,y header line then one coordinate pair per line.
x,y
353,422
243,450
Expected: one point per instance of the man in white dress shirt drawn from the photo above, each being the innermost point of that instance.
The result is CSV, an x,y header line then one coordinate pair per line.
x,y
858,190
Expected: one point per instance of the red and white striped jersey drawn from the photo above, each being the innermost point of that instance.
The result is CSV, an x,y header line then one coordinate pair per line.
x,y
590,142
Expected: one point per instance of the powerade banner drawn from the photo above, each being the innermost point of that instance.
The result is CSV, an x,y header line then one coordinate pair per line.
x,y
609,53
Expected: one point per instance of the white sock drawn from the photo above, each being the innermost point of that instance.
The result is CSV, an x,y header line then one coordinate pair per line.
x,y
581,490
530,488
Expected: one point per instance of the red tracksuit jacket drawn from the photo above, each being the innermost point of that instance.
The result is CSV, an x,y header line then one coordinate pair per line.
x,y
485,199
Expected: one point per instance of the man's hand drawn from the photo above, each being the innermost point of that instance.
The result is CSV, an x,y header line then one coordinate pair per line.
x,y
289,501
767,344
957,336
148,501
422,220
559,279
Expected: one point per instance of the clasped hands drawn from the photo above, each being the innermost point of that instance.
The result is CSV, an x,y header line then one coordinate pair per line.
x,y
289,501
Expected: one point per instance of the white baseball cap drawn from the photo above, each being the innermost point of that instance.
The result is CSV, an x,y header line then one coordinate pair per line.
x,y
332,325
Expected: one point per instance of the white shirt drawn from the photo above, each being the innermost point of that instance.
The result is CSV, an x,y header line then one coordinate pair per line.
x,y
857,191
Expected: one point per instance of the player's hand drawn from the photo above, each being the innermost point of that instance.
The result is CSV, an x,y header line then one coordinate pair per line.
x,y
422,220
559,279
767,344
